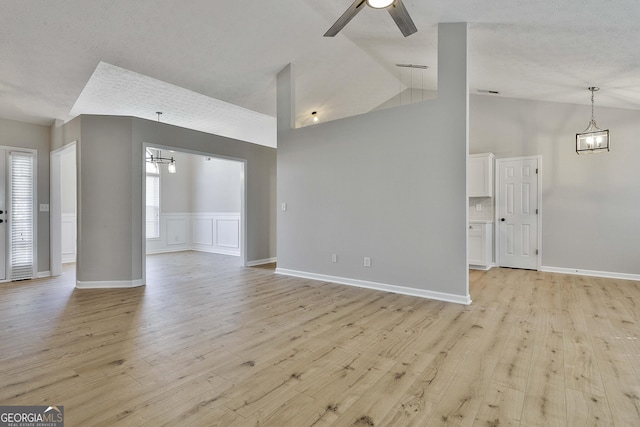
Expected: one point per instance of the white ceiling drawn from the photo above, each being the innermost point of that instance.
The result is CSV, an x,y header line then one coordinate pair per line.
x,y
231,51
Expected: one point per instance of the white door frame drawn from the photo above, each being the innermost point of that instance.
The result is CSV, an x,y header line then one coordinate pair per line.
x,y
498,182
55,211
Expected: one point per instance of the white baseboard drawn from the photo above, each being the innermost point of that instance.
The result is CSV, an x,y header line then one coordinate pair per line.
x,y
422,293
195,249
167,250
210,250
261,262
592,273
109,284
68,258
480,267
42,274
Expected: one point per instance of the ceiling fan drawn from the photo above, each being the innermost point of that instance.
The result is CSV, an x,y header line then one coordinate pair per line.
x,y
395,8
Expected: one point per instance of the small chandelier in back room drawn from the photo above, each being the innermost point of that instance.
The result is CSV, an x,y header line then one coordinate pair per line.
x,y
592,139
154,157
159,160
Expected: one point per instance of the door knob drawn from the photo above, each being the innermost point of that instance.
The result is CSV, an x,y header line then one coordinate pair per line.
x,y
502,219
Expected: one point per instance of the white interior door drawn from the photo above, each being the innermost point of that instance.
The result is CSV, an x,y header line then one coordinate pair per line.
x,y
517,213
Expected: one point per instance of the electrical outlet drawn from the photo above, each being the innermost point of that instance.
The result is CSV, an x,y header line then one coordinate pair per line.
x,y
283,206
334,258
478,207
367,261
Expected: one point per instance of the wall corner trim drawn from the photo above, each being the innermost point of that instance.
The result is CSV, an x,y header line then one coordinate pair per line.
x,y
422,293
592,273
109,284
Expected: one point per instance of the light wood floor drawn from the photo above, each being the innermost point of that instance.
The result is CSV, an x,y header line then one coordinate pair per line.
x,y
208,343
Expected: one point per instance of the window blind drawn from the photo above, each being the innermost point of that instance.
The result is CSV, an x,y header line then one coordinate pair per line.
x,y
153,206
21,215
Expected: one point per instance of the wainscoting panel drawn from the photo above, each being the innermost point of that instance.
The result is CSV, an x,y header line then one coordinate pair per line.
x,y
174,234
202,231
221,235
206,232
177,231
228,233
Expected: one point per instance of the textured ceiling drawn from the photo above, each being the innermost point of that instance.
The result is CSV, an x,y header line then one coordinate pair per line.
x,y
114,90
231,51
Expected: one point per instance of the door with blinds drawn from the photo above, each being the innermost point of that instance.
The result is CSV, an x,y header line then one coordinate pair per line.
x,y
17,215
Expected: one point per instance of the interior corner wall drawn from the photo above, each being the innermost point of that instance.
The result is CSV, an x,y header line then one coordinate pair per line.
x,y
389,185
590,203
36,137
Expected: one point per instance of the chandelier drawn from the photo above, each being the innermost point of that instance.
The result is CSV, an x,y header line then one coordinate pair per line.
x,y
159,160
592,139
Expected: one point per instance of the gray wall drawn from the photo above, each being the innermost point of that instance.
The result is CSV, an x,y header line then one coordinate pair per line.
x,y
590,203
175,188
390,184
201,186
26,135
216,185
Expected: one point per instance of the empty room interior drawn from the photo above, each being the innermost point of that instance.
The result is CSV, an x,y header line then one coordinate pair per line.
x,y
320,213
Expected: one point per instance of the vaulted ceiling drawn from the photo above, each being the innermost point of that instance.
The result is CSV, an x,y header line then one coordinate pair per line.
x,y
231,51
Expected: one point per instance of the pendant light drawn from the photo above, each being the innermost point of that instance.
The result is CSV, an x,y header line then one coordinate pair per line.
x,y
158,159
592,139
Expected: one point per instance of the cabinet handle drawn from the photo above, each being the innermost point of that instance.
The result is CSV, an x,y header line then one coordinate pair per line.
x,y
502,219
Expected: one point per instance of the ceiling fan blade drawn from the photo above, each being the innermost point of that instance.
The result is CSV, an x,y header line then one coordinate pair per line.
x,y
400,14
347,16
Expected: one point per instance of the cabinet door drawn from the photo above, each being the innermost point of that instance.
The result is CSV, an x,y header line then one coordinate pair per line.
x,y
480,175
476,244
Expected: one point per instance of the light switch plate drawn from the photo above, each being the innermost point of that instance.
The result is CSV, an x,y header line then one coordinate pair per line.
x,y
44,207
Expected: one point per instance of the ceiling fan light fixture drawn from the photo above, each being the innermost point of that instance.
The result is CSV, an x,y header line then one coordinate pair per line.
x,y
380,4
396,9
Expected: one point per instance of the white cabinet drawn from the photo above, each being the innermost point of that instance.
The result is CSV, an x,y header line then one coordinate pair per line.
x,y
480,175
480,245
